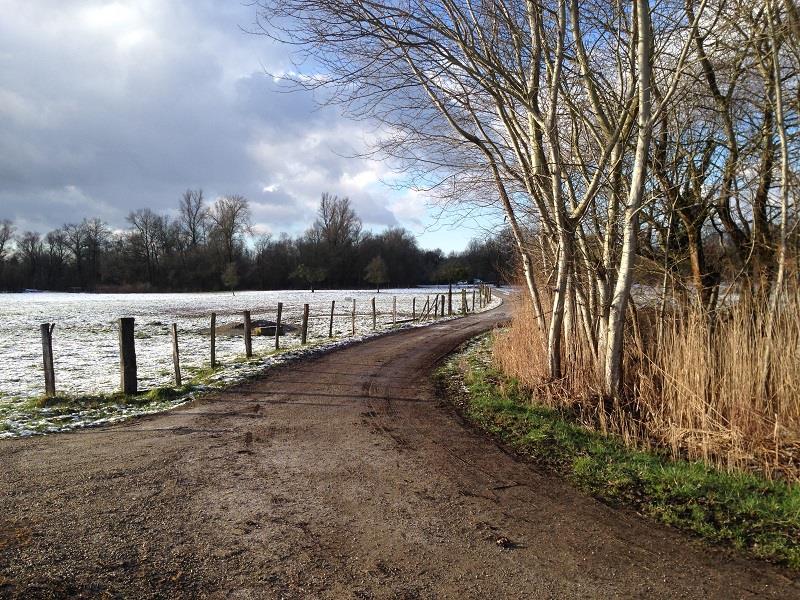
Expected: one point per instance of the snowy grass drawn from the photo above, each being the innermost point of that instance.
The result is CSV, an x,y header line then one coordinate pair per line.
x,y
86,358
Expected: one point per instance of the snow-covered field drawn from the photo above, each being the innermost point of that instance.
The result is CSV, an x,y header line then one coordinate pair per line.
x,y
85,342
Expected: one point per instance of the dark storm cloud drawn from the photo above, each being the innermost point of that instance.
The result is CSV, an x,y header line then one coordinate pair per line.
x,y
110,106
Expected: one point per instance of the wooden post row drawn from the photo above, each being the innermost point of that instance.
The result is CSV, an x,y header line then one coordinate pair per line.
x,y
127,357
47,357
176,359
304,326
449,300
330,325
278,326
213,340
248,335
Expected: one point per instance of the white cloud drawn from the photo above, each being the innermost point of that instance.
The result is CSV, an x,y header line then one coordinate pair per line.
x,y
110,106
360,180
410,206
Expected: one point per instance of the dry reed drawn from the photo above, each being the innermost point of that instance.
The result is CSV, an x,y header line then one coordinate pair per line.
x,y
727,394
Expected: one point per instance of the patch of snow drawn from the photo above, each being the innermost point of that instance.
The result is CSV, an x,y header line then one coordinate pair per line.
x,y
85,343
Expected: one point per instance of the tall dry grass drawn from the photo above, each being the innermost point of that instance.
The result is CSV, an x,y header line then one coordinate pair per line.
x,y
727,394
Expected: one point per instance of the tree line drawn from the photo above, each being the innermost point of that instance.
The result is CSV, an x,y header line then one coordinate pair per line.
x,y
210,246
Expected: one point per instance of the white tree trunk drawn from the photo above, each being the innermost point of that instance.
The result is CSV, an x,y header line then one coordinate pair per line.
x,y
533,289
605,278
555,334
616,318
777,289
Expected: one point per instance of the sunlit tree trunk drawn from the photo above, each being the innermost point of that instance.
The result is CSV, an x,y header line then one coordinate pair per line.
x,y
616,321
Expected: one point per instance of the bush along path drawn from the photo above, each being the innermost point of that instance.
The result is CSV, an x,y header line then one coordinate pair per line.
x,y
740,510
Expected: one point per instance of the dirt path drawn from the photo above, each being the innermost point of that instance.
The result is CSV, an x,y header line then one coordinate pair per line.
x,y
340,477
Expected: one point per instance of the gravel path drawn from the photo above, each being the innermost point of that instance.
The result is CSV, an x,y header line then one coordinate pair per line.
x,y
339,477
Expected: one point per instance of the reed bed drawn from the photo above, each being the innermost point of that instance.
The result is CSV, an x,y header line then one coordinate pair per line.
x,y
726,392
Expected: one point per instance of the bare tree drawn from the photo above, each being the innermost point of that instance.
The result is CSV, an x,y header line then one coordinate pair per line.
x,y
193,217
538,100
230,216
56,254
97,236
337,222
147,239
75,238
6,237
31,249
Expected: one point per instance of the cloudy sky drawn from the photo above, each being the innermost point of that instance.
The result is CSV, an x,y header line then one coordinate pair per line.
x,y
109,106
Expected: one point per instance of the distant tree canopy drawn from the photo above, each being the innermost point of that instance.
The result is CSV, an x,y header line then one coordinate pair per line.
x,y
377,272
230,277
451,270
310,275
211,247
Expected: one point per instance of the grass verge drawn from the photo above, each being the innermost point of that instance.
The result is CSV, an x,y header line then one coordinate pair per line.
x,y
66,402
739,510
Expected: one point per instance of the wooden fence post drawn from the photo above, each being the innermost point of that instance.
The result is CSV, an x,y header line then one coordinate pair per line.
x,y
304,327
127,357
278,326
47,357
449,300
413,308
248,335
330,325
354,316
463,301
443,304
394,310
436,306
473,299
176,359
213,340
374,315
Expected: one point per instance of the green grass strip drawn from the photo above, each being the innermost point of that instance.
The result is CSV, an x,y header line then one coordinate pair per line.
x,y
740,510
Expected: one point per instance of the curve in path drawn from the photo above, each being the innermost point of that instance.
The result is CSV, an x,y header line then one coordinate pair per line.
x,y
339,477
